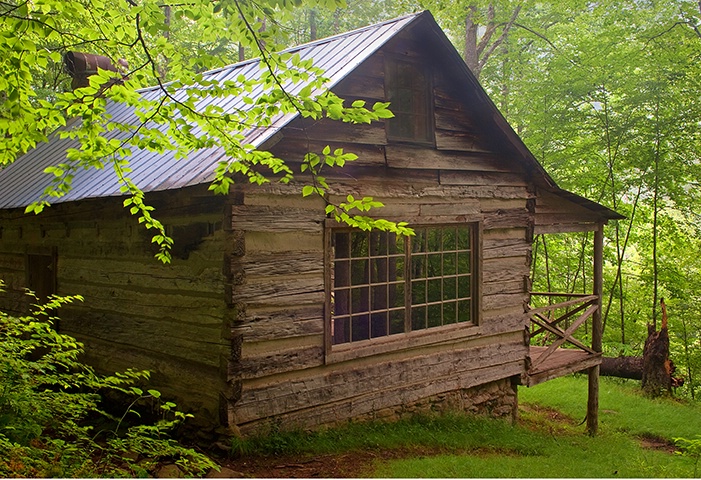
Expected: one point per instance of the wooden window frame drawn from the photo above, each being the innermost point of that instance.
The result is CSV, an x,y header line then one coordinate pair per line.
x,y
429,137
444,333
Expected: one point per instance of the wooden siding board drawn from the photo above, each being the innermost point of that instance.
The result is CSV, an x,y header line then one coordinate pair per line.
x,y
497,179
327,130
501,248
272,323
366,85
149,275
338,412
565,228
260,218
193,341
278,361
272,264
301,290
402,156
348,385
293,150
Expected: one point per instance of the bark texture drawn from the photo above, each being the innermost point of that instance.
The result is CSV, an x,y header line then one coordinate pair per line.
x,y
657,367
622,367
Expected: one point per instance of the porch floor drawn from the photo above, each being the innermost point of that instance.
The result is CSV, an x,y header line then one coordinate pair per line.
x,y
563,361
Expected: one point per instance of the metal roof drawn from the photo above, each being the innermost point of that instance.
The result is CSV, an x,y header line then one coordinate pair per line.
x,y
24,181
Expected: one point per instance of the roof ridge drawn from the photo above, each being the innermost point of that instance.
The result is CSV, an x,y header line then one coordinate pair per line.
x,y
319,41
331,38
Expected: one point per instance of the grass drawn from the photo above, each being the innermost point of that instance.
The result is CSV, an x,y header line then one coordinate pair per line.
x,y
548,442
621,407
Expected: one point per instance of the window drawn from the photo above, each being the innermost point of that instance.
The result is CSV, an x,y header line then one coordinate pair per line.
x,y
41,275
408,88
385,284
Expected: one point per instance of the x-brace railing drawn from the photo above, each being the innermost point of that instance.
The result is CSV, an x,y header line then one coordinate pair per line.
x,y
541,318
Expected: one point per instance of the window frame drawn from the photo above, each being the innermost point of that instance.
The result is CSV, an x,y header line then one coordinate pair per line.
x,y
391,61
445,333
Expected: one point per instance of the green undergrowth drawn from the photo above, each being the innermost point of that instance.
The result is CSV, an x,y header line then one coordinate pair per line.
x,y
60,418
437,432
635,438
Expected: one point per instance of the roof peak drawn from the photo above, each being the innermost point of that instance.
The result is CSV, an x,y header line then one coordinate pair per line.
x,y
321,41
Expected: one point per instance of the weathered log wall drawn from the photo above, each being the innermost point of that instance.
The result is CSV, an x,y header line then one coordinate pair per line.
x,y
137,313
282,372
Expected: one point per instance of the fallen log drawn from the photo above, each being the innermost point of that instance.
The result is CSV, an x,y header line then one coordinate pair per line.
x,y
632,368
654,368
622,367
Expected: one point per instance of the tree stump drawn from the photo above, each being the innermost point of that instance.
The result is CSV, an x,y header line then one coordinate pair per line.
x,y
657,367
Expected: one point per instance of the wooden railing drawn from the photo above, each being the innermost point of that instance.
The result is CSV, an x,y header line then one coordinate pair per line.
x,y
543,320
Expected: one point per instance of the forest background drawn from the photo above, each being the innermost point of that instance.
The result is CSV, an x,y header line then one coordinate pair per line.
x,y
604,93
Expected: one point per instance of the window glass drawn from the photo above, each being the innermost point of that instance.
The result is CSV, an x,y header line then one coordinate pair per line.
x,y
374,294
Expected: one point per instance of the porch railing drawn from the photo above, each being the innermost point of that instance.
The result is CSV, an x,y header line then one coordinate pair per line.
x,y
579,307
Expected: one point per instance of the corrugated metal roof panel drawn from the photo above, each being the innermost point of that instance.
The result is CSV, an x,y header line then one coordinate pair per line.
x,y
24,181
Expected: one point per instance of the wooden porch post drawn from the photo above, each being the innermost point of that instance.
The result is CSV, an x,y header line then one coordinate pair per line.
x,y
596,335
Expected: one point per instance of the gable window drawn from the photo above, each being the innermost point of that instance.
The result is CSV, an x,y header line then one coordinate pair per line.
x,y
408,89
385,284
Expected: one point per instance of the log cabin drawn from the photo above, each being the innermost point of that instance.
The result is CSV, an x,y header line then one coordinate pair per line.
x,y
272,314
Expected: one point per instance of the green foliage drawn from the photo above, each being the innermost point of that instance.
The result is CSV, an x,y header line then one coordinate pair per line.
x,y
158,41
50,403
604,95
691,448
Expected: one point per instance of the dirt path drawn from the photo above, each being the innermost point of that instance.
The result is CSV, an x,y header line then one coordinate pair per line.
x,y
355,464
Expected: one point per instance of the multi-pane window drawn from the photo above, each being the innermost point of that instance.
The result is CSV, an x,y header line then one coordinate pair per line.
x,y
385,284
407,88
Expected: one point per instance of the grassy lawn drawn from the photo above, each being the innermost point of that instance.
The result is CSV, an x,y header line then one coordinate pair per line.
x,y
621,407
551,447
548,442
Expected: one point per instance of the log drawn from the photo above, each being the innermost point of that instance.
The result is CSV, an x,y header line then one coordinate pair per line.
x,y
654,368
622,367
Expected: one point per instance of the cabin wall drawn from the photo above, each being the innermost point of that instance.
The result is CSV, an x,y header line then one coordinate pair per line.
x,y
137,313
283,374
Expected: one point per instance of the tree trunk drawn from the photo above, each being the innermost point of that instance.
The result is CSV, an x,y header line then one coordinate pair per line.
x,y
657,367
312,25
622,367
470,48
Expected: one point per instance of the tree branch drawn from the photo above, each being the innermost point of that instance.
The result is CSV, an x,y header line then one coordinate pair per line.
x,y
500,40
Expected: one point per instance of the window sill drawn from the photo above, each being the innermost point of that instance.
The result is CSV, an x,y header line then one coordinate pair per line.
x,y
399,342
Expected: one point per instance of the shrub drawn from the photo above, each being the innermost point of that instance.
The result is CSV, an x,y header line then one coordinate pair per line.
x,y
51,402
